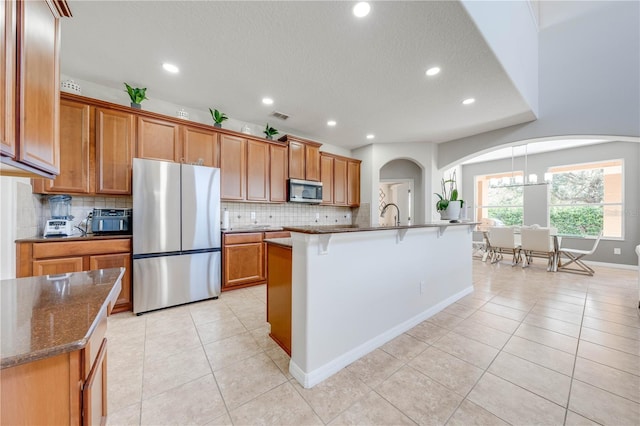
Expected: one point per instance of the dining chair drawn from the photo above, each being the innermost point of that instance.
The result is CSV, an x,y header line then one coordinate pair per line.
x,y
502,240
575,256
537,242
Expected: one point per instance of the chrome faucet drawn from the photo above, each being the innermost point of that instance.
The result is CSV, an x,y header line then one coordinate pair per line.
x,y
384,209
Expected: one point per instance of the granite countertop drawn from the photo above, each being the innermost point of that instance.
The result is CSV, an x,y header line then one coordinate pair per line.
x,y
331,229
252,228
87,237
284,242
52,314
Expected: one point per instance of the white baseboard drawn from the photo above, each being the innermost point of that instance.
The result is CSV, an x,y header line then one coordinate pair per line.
x,y
308,380
611,265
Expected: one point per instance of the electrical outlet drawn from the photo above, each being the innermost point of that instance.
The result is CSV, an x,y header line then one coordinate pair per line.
x,y
422,287
617,250
253,215
317,216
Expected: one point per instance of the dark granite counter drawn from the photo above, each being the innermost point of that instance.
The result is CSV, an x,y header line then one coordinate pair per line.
x,y
283,242
52,314
253,228
88,237
354,228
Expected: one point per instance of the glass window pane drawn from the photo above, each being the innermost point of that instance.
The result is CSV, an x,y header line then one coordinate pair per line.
x,y
612,221
577,220
506,215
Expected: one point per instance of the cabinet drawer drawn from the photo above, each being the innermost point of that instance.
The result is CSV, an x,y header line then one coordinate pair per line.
x,y
80,248
277,234
253,237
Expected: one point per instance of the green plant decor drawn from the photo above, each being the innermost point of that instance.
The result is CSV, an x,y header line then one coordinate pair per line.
x,y
218,117
449,193
270,131
137,95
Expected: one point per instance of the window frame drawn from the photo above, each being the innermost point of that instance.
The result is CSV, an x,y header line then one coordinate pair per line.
x,y
603,205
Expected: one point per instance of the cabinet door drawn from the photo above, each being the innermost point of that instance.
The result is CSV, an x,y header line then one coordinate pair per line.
x,y
198,144
296,160
94,391
243,264
353,183
257,171
158,139
339,182
326,176
115,135
38,142
278,174
7,77
105,261
312,163
74,152
57,266
233,167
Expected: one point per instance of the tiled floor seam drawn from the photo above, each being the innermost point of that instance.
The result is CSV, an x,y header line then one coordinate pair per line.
x,y
573,370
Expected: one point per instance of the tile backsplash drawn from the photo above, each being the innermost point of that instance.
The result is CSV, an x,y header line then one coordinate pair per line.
x,y
33,212
289,214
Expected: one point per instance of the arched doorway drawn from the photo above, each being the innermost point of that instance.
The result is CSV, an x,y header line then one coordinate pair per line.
x,y
400,183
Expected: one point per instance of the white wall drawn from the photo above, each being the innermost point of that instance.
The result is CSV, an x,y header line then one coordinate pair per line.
x,y
510,29
377,155
589,85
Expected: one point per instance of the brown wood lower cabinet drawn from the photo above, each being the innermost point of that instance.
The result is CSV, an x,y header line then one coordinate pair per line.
x,y
69,389
244,258
279,295
59,257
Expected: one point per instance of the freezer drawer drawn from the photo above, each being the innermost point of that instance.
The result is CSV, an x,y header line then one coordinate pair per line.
x,y
163,281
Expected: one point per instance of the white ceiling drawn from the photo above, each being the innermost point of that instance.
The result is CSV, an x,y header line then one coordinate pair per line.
x,y
315,59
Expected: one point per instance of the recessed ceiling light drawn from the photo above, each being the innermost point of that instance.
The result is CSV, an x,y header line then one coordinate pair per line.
x,y
267,101
370,136
361,9
468,101
170,68
331,123
433,71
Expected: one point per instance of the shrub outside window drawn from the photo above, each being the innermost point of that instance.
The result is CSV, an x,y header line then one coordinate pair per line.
x,y
585,199
500,197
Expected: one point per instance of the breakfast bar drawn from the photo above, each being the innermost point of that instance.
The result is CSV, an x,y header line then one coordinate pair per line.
x,y
354,289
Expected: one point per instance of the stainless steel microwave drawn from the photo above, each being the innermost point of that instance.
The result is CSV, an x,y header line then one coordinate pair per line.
x,y
304,191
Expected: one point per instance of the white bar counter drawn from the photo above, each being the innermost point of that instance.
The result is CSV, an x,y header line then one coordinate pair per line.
x,y
354,289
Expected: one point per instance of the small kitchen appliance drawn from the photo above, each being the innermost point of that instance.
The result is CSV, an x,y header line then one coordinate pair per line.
x,y
304,191
60,224
111,221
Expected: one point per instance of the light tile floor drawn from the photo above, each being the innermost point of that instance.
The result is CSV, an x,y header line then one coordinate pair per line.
x,y
527,347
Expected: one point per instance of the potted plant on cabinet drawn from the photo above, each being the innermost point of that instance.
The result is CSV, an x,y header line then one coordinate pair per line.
x,y
270,132
137,95
448,204
218,117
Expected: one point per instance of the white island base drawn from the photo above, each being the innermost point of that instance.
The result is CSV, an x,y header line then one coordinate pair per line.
x,y
354,291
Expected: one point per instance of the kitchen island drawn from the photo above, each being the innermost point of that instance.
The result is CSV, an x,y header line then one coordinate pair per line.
x,y
354,289
53,350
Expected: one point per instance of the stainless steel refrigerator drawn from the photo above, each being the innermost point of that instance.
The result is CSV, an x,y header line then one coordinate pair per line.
x,y
176,234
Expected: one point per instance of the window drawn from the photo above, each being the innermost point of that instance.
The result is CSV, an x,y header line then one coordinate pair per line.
x,y
499,197
587,198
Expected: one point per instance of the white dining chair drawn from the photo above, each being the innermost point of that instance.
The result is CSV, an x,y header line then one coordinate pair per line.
x,y
502,240
575,256
537,242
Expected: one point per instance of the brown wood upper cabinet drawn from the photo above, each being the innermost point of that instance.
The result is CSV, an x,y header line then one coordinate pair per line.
x,y
158,139
31,35
96,152
258,173
304,158
199,144
233,168
278,173
340,180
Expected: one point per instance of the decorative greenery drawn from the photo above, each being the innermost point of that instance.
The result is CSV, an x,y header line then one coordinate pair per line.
x,y
270,131
450,195
218,117
137,95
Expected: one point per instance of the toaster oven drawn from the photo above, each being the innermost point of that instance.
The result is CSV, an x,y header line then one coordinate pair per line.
x,y
111,221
